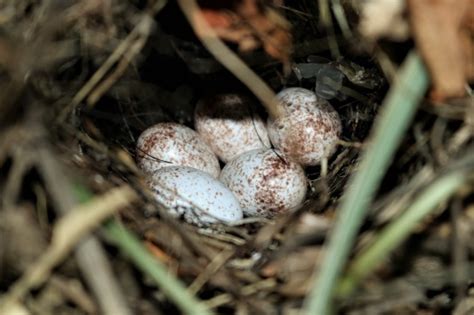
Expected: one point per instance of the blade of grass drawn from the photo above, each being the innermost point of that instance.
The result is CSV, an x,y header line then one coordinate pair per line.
x,y
174,289
397,112
326,20
144,261
397,231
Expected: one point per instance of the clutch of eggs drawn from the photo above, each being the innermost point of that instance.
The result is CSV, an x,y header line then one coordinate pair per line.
x,y
257,181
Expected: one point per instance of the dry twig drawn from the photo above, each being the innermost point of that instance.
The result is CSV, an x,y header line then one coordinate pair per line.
x,y
228,58
68,231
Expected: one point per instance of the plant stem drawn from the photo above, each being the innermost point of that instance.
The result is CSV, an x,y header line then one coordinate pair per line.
x,y
399,107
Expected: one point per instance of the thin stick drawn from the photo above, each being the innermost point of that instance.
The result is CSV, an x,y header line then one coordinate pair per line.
x,y
67,232
90,254
228,58
122,66
122,48
211,269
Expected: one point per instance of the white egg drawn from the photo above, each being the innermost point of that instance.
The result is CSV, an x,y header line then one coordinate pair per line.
x,y
168,144
195,195
230,125
309,129
265,183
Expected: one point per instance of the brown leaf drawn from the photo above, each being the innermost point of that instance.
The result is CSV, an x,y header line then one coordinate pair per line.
x,y
251,24
438,32
384,18
467,38
218,19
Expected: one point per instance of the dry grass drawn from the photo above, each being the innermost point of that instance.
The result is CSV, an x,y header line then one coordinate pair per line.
x,y
78,85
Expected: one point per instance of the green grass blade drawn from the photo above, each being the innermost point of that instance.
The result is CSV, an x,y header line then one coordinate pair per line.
x,y
173,289
144,261
397,112
399,230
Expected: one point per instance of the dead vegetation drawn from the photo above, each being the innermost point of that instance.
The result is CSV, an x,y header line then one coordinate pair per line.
x,y
79,81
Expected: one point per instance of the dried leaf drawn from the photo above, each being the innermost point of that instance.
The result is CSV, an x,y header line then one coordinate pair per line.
x,y
440,37
384,18
251,24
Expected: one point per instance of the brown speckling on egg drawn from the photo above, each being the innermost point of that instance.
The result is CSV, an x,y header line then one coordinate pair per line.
x,y
168,144
310,129
230,125
265,183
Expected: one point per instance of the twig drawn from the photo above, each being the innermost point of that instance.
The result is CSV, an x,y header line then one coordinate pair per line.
x,y
326,20
247,290
459,249
340,15
122,48
210,270
67,232
228,58
74,291
135,47
90,255
22,163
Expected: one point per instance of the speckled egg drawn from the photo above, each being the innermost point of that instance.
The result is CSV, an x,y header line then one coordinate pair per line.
x,y
230,125
167,144
309,129
265,183
195,195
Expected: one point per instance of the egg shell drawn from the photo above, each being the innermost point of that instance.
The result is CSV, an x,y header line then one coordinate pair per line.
x,y
265,183
230,125
168,144
197,196
308,130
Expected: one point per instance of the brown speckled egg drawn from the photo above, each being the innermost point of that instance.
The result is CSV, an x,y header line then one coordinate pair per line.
x,y
230,125
195,195
168,144
265,183
309,129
